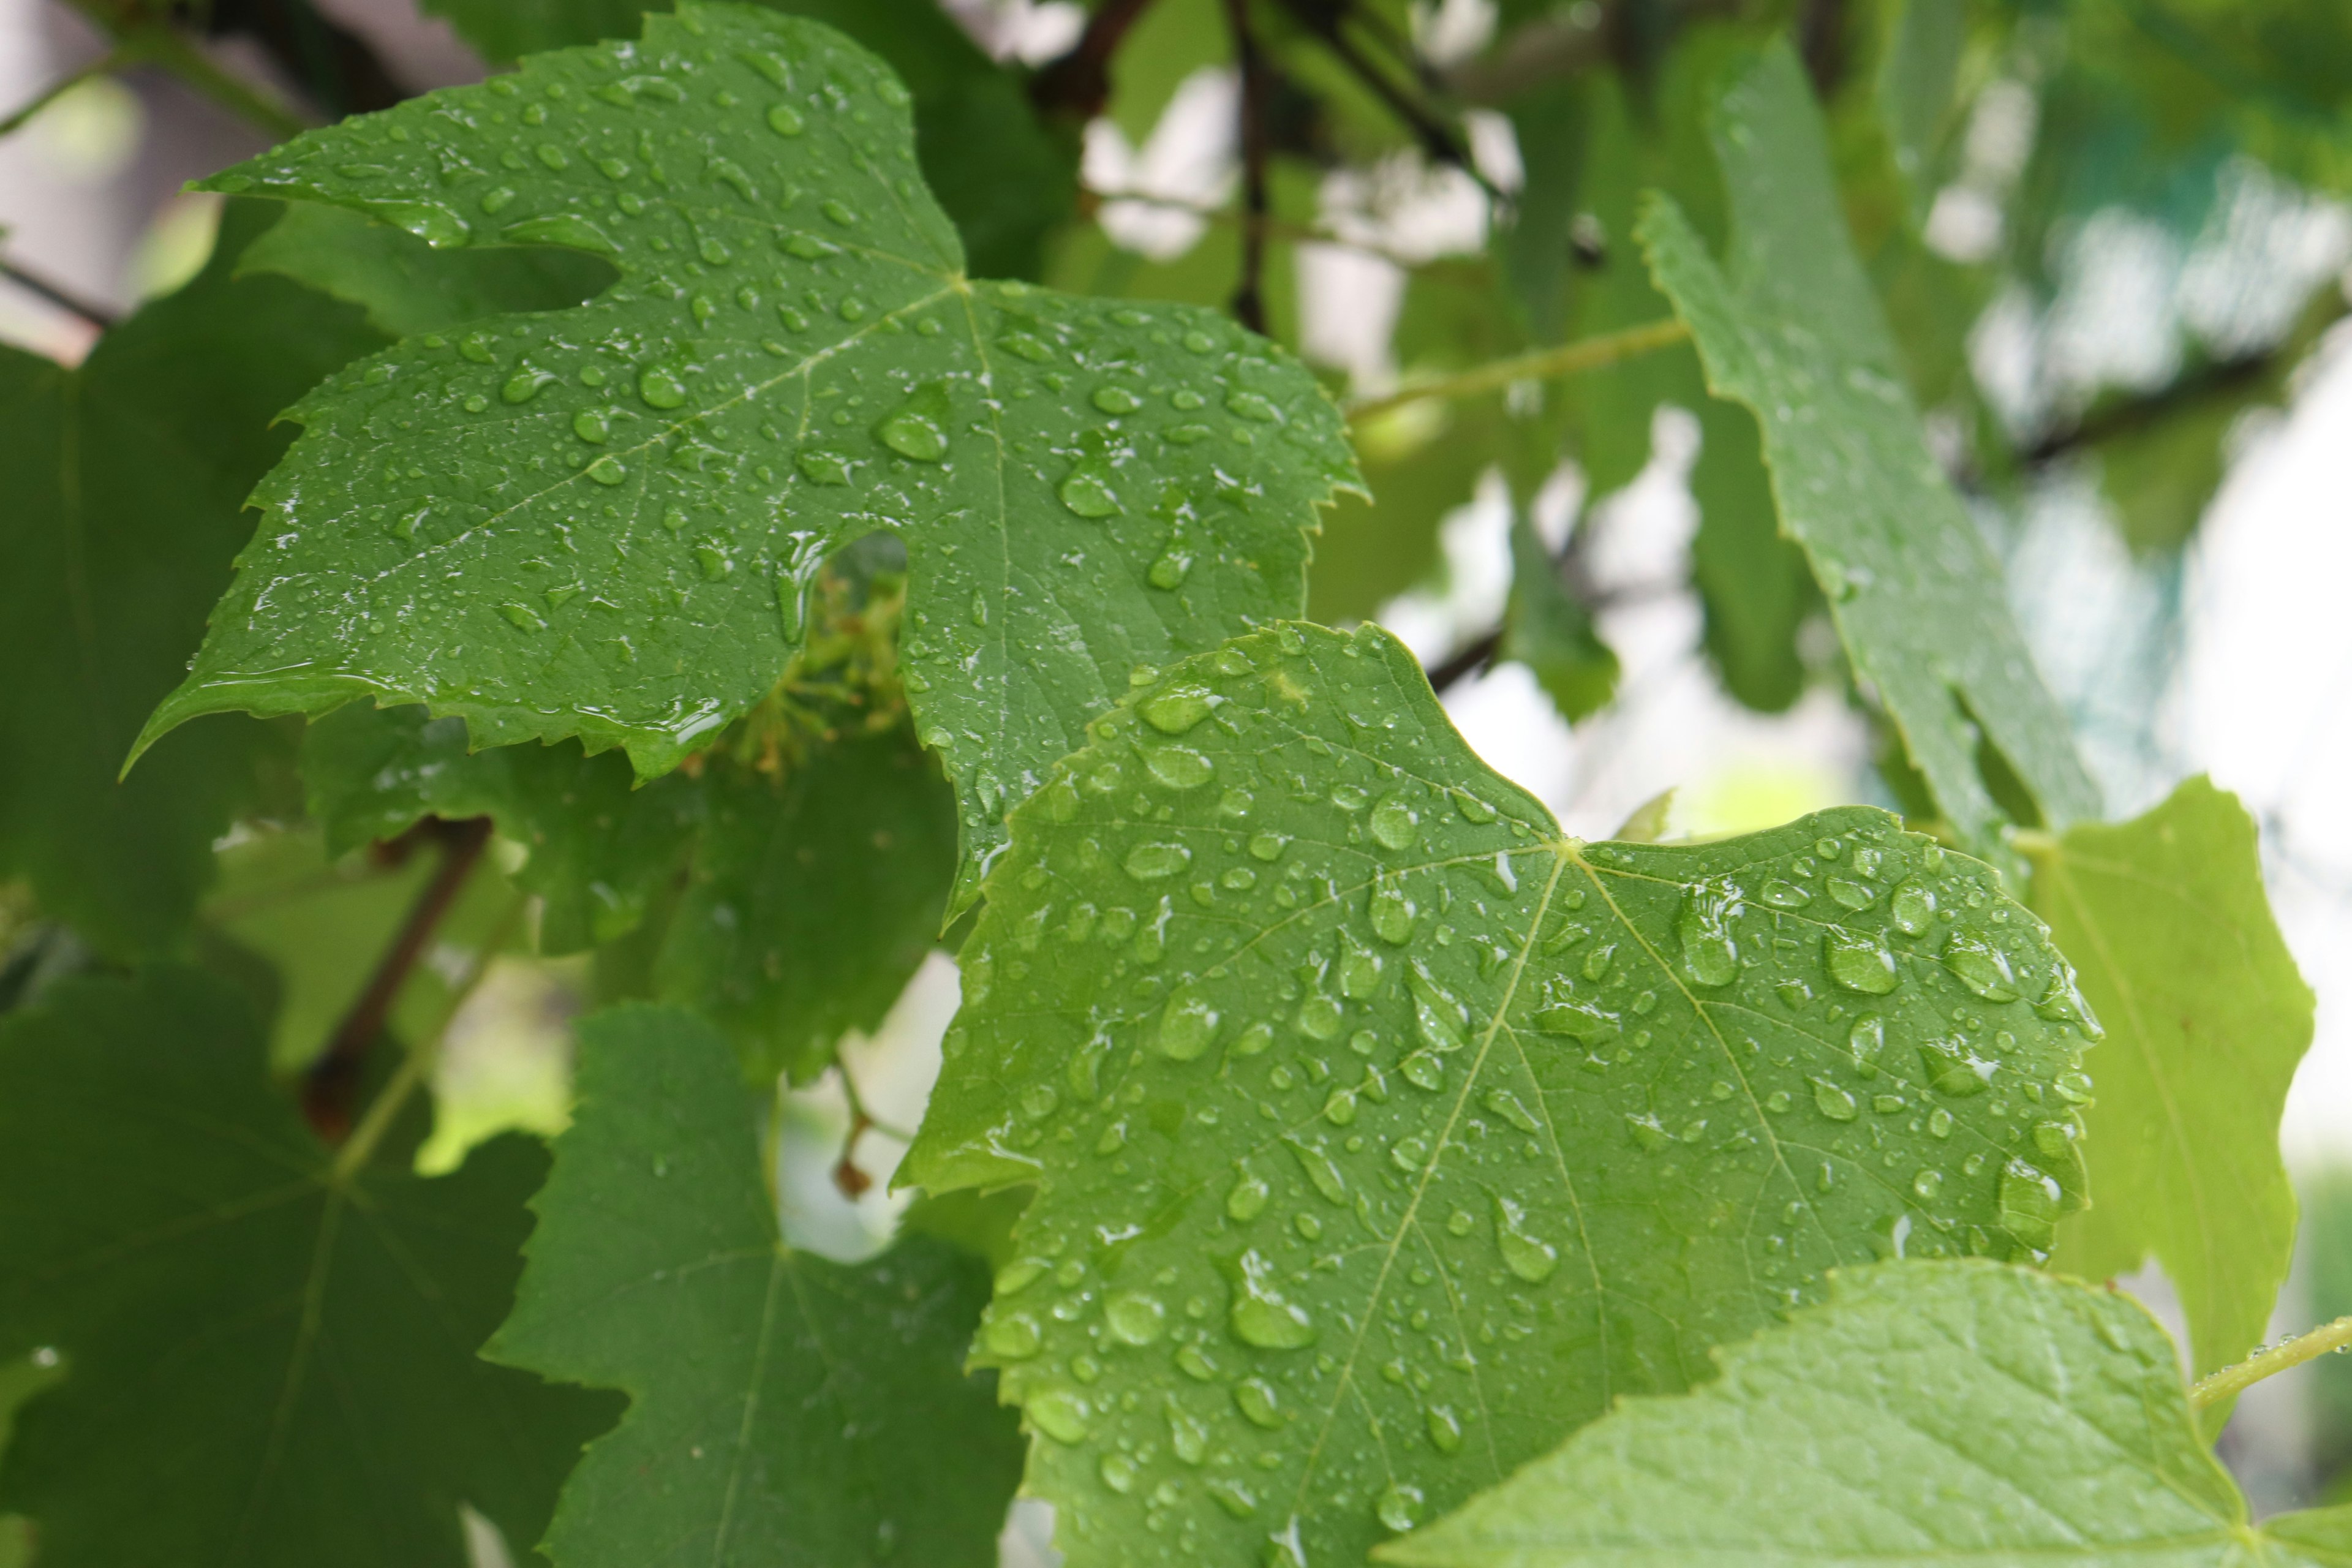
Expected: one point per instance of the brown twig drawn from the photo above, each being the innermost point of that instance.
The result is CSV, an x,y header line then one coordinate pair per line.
x,y
1079,83
1249,295
71,304
331,1087
1465,661
1437,139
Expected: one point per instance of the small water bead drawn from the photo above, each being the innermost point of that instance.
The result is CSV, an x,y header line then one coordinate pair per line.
x,y
524,384
1177,709
819,466
1116,400
1393,913
1268,846
1247,1198
1445,1429
1926,1184
917,427
838,212
1867,1039
1062,1414
1524,1253
1167,573
1135,1318
660,387
1187,399
1259,1404
1250,405
607,470
1859,961
590,424
1952,1068
785,121
1833,1102
1117,1472
1850,894
1939,1125
1014,1336
1785,895
1399,1508
1089,494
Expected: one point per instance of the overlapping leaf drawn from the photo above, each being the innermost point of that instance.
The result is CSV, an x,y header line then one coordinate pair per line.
x,y
1551,632
601,523
1382,1134
1927,1413
784,1409
2207,1019
1789,327
124,481
269,1348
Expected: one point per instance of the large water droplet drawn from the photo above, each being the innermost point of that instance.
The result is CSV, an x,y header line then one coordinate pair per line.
x,y
561,229
1912,908
1952,1068
1187,1026
1114,399
1257,1400
1319,1170
607,470
1982,967
2061,1003
1248,1199
1062,1414
660,387
1833,1101
1859,961
1177,709
1392,912
2028,1204
1014,1336
1261,1315
785,121
1151,862
918,428
1135,1318
1399,1508
1523,1254
1710,955
1179,769
436,225
1395,824
1445,1429
1117,1472
1089,494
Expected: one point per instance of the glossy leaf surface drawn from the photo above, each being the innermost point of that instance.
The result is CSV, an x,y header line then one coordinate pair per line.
x,y
784,1409
601,523
1382,1134
1787,325
268,1349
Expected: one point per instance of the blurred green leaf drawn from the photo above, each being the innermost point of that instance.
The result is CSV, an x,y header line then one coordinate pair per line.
x,y
1547,629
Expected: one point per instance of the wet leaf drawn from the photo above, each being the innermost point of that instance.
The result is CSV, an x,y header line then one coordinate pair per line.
x,y
1382,1134
601,523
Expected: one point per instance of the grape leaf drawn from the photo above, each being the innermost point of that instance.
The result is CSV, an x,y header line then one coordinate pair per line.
x,y
1927,1413
1795,334
814,898
124,480
1382,1134
1003,178
405,285
270,1348
2208,1018
601,523
784,1409
1547,629
598,845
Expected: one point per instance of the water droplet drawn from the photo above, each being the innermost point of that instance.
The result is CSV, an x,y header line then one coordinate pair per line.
x,y
592,426
1912,908
524,384
1395,824
660,387
2028,1204
1135,1318
2061,1003
1250,405
1524,1253
1833,1101
607,470
1952,1068
1982,967
1177,709
785,121
838,212
1152,862
1179,769
1859,961
1785,895
524,617
1194,1363
1926,1185
1392,912
1231,1495
917,427
1167,573
1116,400
1445,1429
820,466
1710,955
1089,494
1865,1040
1319,1170
563,230
1248,1199
1014,1336
1399,1508
1117,1472
436,225
1187,1026
1257,1400
1853,895
1062,1414
1259,1310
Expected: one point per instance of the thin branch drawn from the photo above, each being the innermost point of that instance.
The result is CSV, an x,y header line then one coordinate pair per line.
x,y
1249,297
1465,661
158,42
330,1088
118,58
2131,415
1437,138
1542,364
2232,1381
73,305
1079,83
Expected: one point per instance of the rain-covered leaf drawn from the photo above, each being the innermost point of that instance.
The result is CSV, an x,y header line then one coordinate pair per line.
x,y
1551,632
268,1345
1003,177
405,285
2206,1020
1926,1412
782,1409
1789,327
125,481
601,523
1383,1133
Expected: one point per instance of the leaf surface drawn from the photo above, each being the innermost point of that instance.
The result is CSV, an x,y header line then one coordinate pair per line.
x,y
125,481
784,1409
601,523
1926,1412
2206,1018
1382,1134
1789,327
270,1359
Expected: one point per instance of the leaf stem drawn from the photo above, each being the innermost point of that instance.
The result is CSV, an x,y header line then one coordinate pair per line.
x,y
2232,1381
331,1084
1543,364
117,58
149,41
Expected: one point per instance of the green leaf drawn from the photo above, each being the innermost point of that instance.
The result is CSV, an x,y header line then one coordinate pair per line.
x,y
1003,177
784,1409
125,478
405,285
1927,1413
1551,633
601,523
1915,79
1383,1134
1794,333
598,845
814,898
2206,1018
268,1349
